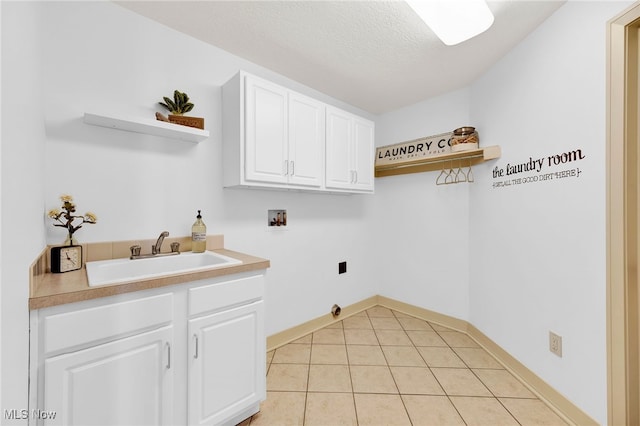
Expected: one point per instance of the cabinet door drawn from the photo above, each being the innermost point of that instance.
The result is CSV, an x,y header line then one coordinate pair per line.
x,y
363,155
339,173
128,381
265,131
226,363
306,140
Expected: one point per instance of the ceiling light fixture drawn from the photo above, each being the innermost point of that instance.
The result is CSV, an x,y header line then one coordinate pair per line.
x,y
454,21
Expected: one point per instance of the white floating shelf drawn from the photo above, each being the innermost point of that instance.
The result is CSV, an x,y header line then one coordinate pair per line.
x,y
148,127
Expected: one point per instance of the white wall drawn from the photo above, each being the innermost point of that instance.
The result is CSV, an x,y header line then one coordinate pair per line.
x,y
1,405
424,228
101,57
535,258
538,250
97,56
22,177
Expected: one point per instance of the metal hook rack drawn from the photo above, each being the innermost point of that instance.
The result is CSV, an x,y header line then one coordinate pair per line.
x,y
458,176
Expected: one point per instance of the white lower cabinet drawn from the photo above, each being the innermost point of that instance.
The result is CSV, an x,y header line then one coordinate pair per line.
x,y
226,368
187,354
128,381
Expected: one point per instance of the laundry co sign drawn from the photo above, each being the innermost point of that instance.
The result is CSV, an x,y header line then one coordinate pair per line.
x,y
414,150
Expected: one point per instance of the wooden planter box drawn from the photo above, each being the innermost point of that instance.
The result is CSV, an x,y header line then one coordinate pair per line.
x,y
197,122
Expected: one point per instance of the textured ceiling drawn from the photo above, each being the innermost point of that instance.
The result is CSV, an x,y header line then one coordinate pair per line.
x,y
376,55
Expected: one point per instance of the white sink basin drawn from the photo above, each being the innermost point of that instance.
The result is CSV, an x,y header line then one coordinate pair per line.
x,y
116,271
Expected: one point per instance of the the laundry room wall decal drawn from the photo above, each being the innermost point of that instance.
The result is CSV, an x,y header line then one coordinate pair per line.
x,y
547,168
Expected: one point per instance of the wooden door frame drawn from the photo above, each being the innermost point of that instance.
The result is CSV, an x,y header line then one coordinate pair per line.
x,y
623,164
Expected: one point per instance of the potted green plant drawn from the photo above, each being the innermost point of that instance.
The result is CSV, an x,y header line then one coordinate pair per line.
x,y
177,107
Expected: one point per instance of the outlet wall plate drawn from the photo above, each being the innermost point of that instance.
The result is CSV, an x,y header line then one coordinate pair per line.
x,y
555,344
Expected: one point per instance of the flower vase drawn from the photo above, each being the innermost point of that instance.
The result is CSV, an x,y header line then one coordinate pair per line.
x,y
71,241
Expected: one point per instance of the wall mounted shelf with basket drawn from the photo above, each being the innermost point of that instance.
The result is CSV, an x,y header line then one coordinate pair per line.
x,y
148,127
428,164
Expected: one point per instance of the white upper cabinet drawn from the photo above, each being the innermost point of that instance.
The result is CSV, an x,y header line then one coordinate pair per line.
x,y
350,152
277,138
306,140
364,153
266,123
274,137
339,131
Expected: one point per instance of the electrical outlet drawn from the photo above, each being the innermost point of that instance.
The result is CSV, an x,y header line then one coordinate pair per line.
x,y
555,344
342,267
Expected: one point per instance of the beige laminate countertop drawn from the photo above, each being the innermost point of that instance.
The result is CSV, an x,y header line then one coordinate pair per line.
x,y
56,289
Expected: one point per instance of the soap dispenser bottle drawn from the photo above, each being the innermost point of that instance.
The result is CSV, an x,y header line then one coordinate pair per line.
x,y
198,235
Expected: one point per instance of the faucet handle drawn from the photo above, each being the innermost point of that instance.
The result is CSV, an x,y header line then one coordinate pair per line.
x,y
175,247
135,250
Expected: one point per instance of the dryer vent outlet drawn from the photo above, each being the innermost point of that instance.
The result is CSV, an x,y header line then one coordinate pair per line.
x,y
335,310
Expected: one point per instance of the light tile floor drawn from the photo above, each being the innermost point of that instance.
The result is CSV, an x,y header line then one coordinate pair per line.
x,y
382,367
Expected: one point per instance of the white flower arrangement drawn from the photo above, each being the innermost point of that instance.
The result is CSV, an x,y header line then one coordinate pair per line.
x,y
66,217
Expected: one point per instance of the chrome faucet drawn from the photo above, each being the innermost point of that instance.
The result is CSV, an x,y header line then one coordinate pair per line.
x,y
157,248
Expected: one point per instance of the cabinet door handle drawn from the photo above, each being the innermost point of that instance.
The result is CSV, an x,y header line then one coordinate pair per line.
x,y
355,176
293,168
285,167
195,354
168,356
